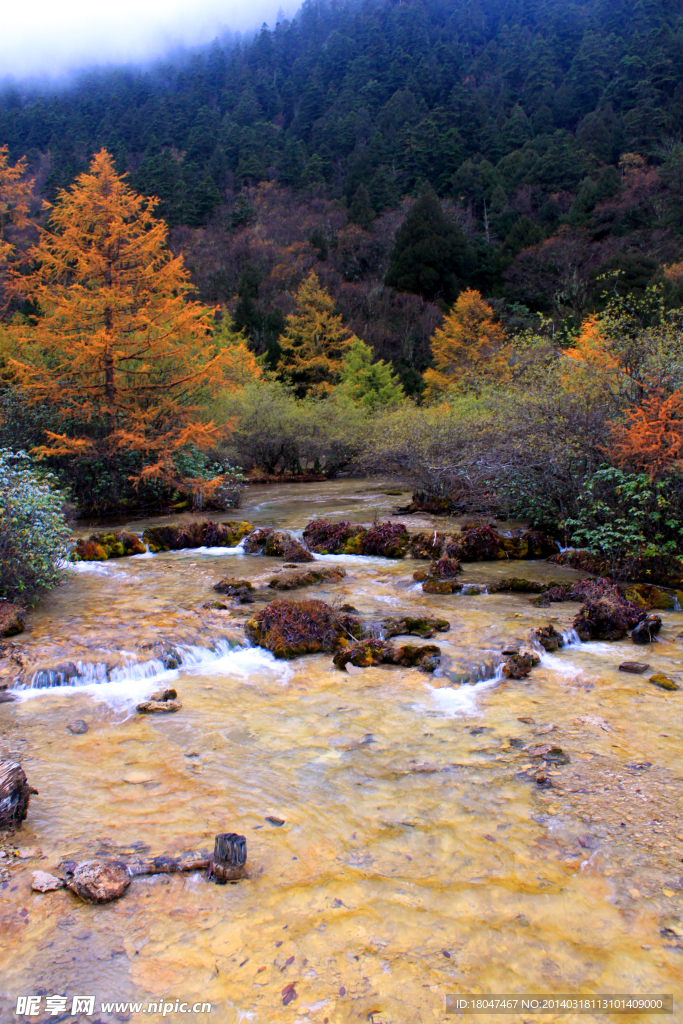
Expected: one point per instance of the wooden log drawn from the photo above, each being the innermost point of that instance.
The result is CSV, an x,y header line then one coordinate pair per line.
x,y
15,794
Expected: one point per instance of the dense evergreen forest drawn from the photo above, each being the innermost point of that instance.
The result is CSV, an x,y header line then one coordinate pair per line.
x,y
551,133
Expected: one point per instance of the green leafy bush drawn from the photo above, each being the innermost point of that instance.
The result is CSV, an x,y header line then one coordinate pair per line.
x,y
625,515
33,530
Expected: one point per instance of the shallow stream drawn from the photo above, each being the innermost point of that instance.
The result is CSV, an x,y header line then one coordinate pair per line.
x,y
417,856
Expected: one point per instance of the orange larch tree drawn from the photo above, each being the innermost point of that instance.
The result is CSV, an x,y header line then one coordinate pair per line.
x,y
650,437
119,353
15,193
469,349
315,341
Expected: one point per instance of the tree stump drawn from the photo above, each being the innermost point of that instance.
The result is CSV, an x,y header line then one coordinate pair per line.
x,y
15,794
229,857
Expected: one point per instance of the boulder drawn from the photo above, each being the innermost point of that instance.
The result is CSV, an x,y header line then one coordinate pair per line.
x,y
44,882
519,665
293,628
646,630
548,637
308,577
609,617
78,728
423,627
663,682
649,597
166,693
12,618
426,658
95,881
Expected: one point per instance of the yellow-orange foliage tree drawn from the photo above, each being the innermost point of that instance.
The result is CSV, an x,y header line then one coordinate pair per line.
x,y
469,350
118,353
650,437
15,193
315,341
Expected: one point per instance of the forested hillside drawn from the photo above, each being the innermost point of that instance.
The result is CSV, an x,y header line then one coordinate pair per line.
x,y
550,131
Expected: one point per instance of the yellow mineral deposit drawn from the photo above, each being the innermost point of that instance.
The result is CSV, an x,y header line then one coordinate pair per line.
x,y
399,847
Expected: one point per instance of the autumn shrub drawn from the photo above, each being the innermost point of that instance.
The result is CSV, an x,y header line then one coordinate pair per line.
x,y
33,529
388,540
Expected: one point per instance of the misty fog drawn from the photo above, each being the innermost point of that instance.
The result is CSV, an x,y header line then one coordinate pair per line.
x,y
55,39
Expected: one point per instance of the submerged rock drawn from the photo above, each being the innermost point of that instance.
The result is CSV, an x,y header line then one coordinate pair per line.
x,y
646,630
424,627
166,693
379,652
12,618
158,707
241,590
308,577
293,628
663,682
78,728
97,882
636,667
42,881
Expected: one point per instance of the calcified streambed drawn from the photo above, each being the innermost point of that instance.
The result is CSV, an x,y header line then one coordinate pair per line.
x,y
417,856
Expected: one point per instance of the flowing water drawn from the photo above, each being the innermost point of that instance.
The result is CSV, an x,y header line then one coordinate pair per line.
x,y
417,856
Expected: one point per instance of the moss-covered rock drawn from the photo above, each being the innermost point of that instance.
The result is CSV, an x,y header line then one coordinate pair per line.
x,y
432,586
424,627
12,618
99,547
519,665
663,682
177,537
280,544
241,591
548,638
291,629
379,652
609,617
328,538
308,577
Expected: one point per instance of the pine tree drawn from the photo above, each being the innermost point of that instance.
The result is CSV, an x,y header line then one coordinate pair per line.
x,y
371,385
360,210
430,256
314,342
118,353
468,350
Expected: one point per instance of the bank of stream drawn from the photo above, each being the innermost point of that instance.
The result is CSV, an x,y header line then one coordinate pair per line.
x,y
417,856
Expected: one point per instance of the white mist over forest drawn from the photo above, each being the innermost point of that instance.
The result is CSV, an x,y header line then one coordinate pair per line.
x,y
58,39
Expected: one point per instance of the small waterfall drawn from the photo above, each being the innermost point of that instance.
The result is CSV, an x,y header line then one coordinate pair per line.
x,y
571,638
84,673
677,607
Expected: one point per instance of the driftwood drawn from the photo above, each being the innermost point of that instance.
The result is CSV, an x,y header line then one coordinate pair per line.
x,y
226,864
15,794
